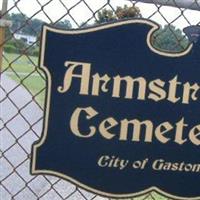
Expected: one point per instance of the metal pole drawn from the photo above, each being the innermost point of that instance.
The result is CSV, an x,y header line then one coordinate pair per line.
x,y
4,6
2,30
188,4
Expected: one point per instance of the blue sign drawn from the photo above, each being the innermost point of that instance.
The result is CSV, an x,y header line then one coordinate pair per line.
x,y
121,117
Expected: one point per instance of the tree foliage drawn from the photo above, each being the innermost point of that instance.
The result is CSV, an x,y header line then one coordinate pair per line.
x,y
108,15
21,23
63,24
105,16
128,12
170,38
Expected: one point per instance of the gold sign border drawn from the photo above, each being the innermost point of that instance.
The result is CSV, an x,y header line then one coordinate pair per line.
x,y
39,143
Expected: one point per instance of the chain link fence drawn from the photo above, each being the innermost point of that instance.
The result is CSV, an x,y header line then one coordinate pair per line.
x,y
22,84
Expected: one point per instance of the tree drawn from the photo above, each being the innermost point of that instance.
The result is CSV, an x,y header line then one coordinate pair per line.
x,y
63,24
22,24
107,15
35,26
128,12
170,38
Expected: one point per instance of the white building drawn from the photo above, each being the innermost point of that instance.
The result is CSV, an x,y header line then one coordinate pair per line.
x,y
29,39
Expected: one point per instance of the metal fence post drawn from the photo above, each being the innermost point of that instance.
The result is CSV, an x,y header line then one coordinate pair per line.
x,y
1,47
3,24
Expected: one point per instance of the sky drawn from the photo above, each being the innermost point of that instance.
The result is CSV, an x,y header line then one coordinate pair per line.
x,y
81,13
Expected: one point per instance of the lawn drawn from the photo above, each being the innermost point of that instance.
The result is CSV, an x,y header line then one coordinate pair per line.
x,y
152,196
24,70
20,63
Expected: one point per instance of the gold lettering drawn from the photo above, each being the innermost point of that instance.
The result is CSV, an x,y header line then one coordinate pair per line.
x,y
179,132
74,122
103,161
194,134
136,124
96,84
104,129
161,130
173,84
130,82
158,165
156,86
84,76
186,92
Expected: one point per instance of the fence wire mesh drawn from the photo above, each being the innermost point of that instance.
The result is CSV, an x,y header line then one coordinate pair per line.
x,y
22,84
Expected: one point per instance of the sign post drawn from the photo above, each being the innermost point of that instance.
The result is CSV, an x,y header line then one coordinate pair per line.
x,y
121,117
3,24
1,45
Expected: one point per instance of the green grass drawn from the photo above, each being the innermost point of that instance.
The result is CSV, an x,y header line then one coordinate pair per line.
x,y
24,70
19,63
150,196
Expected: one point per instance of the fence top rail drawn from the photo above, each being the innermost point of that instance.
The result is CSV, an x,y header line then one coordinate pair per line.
x,y
188,4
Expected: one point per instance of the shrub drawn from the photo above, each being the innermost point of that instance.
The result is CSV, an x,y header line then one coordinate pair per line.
x,y
35,52
10,49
